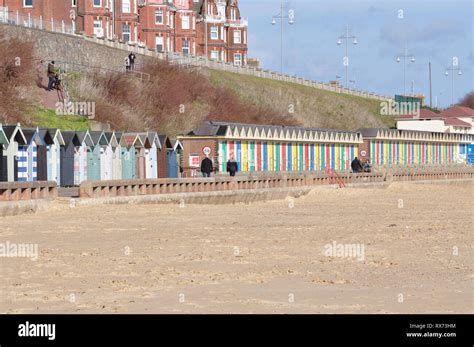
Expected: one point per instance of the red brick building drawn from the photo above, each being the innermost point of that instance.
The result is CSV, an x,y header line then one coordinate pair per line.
x,y
226,31
165,25
168,27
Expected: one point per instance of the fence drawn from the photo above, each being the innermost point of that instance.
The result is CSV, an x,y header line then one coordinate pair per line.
x,y
177,58
14,191
96,189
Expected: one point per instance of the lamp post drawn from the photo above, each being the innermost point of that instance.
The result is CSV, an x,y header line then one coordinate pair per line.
x,y
453,68
346,37
405,55
291,20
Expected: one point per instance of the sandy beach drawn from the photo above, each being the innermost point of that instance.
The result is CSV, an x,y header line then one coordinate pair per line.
x,y
263,257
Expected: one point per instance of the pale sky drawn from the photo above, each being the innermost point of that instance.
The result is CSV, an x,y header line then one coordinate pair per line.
x,y
434,31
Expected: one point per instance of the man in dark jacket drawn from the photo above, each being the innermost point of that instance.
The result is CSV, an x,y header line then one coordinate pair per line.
x,y
206,167
131,58
232,166
51,75
356,165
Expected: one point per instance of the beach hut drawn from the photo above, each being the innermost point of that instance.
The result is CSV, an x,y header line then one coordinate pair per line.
x,y
80,156
15,138
54,156
129,143
173,157
117,158
152,156
95,156
71,142
162,156
142,154
3,159
107,160
28,155
42,155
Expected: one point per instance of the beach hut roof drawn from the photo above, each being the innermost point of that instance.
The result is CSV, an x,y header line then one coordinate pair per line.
x,y
85,137
99,138
145,140
3,137
111,138
131,139
164,141
153,137
14,133
32,135
56,134
46,136
175,144
71,137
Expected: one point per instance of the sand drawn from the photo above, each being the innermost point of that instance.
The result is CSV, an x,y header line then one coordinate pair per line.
x,y
263,257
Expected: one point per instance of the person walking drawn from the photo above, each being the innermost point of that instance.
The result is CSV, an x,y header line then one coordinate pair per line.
x,y
127,64
206,167
356,166
232,166
131,58
51,75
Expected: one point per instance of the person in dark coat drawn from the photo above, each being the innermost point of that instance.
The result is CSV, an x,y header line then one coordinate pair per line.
x,y
51,75
356,165
232,166
206,167
131,59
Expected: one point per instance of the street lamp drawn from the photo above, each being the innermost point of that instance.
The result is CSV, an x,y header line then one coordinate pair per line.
x,y
281,16
399,59
346,37
453,68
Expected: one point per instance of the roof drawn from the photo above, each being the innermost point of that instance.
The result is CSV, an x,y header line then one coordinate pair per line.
x,y
46,136
456,122
99,138
215,128
14,132
33,135
458,111
424,113
71,136
85,137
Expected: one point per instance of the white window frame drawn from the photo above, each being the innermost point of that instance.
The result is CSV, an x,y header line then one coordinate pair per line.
x,y
162,43
126,6
239,36
214,55
214,30
162,17
28,6
187,21
237,60
188,47
94,5
129,33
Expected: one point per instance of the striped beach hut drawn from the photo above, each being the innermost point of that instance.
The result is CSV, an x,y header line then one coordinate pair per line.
x,y
388,147
271,148
10,155
28,155
80,156
3,159
54,156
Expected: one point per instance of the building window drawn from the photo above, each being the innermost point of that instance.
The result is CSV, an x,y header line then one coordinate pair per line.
x,y
97,3
185,22
98,30
158,17
185,46
214,55
74,3
159,44
237,36
27,3
125,6
125,32
237,59
214,33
